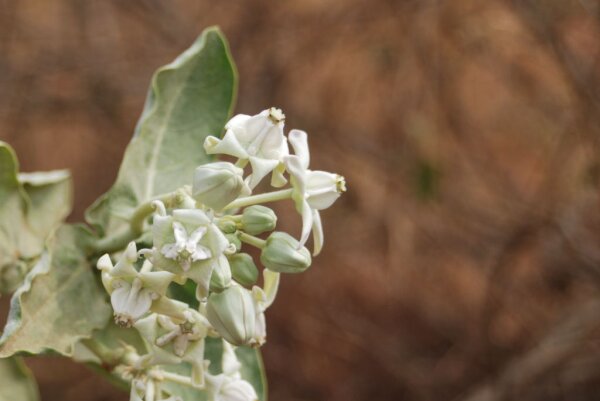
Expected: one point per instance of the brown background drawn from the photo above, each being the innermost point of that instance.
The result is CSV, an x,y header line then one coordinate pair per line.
x,y
464,261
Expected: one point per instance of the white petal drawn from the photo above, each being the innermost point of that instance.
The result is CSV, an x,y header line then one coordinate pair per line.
x,y
278,180
270,286
131,306
104,263
237,121
197,235
321,189
201,253
119,298
260,168
238,390
229,145
317,230
180,234
229,362
299,141
307,221
170,251
297,171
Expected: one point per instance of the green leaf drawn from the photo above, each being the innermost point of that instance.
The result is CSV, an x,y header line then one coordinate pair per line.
x,y
60,301
31,206
50,198
252,371
16,381
188,100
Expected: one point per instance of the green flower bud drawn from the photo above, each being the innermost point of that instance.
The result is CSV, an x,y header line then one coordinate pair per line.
x,y
220,278
243,269
258,219
217,184
283,253
232,313
226,225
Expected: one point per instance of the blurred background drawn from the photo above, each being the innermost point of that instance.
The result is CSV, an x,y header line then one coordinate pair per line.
x,y
463,263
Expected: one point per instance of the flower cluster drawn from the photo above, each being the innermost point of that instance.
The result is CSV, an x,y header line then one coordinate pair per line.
x,y
202,241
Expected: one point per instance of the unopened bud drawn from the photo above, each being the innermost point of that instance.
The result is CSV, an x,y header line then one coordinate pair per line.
x,y
258,219
232,314
220,278
282,253
218,184
243,269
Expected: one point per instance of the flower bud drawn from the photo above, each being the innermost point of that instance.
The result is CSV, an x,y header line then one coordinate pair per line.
x,y
258,219
220,278
282,253
217,184
232,314
243,269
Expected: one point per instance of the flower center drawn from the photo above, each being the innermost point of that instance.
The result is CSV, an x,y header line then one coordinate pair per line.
x,y
276,115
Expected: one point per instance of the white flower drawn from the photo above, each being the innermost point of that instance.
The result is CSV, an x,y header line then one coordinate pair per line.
x,y
186,249
258,139
229,385
184,340
313,190
188,244
131,292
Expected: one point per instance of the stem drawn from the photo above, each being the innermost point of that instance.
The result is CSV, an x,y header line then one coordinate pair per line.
x,y
135,229
175,378
252,240
261,198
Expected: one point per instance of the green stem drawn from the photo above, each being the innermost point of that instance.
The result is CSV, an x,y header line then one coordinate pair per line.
x,y
252,240
135,229
261,198
176,378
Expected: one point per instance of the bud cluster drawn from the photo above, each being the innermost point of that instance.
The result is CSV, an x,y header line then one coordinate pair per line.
x,y
203,240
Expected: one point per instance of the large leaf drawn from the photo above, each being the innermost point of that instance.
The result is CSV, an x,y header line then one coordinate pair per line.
x,y
188,100
60,301
16,381
31,206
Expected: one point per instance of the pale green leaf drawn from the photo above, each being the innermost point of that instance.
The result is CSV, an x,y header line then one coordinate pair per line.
x,y
31,206
16,381
60,301
188,100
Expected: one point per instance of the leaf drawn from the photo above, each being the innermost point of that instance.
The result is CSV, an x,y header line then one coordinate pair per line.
x,y
252,371
60,301
16,381
31,206
188,100
50,197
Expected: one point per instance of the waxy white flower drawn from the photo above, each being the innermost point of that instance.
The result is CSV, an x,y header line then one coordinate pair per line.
x,y
313,190
131,292
184,340
189,244
229,385
186,248
256,139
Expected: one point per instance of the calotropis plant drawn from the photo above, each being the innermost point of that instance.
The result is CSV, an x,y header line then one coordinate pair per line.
x,y
160,290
